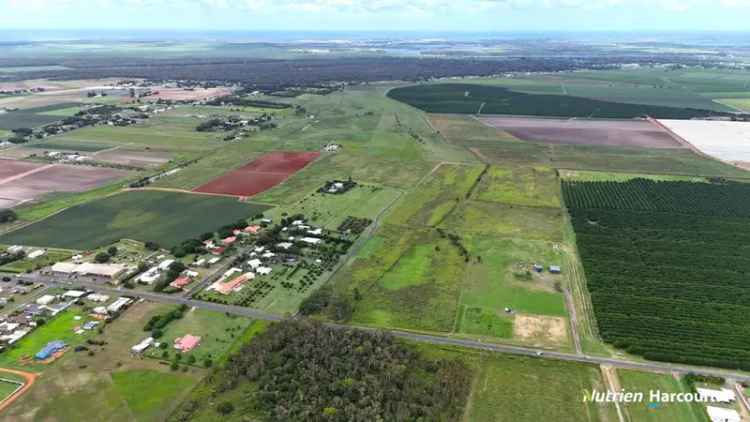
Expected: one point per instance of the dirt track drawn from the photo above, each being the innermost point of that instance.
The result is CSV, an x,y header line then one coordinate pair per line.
x,y
29,377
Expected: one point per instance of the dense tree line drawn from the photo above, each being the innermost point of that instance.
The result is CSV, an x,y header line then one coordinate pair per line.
x,y
307,372
275,75
667,265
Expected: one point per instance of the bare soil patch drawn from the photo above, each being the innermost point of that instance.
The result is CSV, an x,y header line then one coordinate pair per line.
x,y
539,329
134,158
259,175
615,133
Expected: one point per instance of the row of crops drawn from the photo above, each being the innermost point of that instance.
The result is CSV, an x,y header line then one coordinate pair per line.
x,y
669,270
470,99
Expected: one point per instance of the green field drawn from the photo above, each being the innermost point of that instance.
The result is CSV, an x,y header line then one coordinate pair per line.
x,y
146,391
487,99
530,186
408,278
635,381
163,217
737,103
62,112
67,145
58,328
32,117
434,200
523,389
216,330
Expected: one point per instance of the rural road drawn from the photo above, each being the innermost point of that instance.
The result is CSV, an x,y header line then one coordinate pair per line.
x,y
648,366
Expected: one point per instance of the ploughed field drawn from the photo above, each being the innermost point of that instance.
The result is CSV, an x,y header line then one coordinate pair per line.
x,y
486,99
615,133
22,181
259,175
166,218
666,266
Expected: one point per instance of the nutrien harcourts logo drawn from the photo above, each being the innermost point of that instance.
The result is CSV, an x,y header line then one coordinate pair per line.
x,y
652,397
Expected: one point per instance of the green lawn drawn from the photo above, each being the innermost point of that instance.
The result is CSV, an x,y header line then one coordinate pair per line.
x,y
163,217
58,328
146,391
68,145
217,331
6,388
634,381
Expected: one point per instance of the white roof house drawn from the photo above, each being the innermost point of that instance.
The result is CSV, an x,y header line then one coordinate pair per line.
x,y
36,254
150,276
315,232
143,345
284,245
720,414
118,304
100,310
724,395
254,263
263,270
311,240
165,264
75,294
45,300
97,297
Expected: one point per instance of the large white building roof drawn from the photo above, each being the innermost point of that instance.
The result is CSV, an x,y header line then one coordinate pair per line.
x,y
720,414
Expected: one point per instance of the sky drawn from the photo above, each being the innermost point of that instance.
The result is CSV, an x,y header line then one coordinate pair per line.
x,y
380,15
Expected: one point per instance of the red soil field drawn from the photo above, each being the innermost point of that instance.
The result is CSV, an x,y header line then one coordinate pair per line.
x,y
615,133
260,174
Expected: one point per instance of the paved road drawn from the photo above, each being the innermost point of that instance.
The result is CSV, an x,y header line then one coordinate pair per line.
x,y
418,337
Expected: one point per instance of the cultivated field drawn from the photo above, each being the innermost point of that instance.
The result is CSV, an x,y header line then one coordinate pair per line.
x,y
616,133
182,94
137,158
727,141
500,147
259,175
163,217
22,181
487,99
664,266
32,117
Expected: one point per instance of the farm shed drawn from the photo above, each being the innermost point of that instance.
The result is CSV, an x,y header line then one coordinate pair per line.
x,y
555,269
50,349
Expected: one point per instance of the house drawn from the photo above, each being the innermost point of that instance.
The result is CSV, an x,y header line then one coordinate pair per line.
x,y
311,240
229,240
165,264
724,395
538,268
36,254
263,270
554,269
90,325
254,229
46,300
15,250
284,245
97,297
217,251
235,284
119,304
150,276
50,349
720,414
268,255
213,261
254,263
100,311
187,343
142,346
74,294
180,282
315,232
